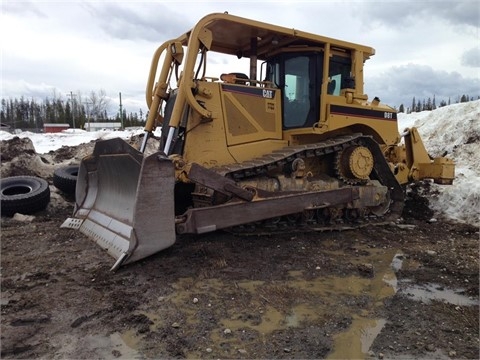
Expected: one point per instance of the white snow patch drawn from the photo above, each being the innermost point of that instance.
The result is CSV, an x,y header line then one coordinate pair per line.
x,y
45,142
456,130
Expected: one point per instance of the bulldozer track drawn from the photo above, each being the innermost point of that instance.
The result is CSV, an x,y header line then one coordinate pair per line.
x,y
278,158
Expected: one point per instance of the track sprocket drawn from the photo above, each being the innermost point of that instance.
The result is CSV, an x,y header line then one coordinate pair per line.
x,y
354,164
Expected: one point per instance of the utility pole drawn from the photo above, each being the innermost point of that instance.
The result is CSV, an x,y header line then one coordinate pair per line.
x,y
89,113
121,110
72,97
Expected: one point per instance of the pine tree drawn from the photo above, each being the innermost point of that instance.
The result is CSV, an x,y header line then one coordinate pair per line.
x,y
429,106
3,112
10,118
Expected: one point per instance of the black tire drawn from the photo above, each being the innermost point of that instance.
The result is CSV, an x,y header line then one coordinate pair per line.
x,y
65,179
24,194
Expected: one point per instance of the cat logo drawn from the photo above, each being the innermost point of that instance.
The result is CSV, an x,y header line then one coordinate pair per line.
x,y
268,94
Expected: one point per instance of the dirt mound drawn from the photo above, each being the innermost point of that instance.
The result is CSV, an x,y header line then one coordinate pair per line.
x,y
19,158
417,204
71,154
10,149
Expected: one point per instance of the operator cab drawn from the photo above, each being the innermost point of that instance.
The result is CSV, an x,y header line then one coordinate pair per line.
x,y
299,75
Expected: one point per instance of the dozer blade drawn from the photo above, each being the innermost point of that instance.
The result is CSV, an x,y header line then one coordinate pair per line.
x,y
124,201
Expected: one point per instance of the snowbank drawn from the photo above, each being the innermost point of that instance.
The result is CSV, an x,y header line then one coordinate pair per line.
x,y
45,142
455,129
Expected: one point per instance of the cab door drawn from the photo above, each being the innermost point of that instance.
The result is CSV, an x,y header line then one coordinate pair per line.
x,y
299,76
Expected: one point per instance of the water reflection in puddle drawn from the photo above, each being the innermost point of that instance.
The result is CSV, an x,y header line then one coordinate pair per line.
x,y
428,292
356,341
397,262
390,277
126,345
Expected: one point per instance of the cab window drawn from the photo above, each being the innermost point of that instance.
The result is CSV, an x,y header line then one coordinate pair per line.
x,y
339,73
296,95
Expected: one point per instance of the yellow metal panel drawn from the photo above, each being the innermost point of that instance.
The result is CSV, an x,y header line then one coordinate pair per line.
x,y
251,113
205,138
378,121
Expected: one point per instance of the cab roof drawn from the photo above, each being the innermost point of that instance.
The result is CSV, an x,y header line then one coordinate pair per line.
x,y
233,35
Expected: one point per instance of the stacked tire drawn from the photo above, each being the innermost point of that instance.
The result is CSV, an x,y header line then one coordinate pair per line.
x,y
23,194
30,194
65,179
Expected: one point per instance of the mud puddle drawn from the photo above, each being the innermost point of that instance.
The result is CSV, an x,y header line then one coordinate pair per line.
x,y
125,345
116,345
263,307
244,312
427,293
355,342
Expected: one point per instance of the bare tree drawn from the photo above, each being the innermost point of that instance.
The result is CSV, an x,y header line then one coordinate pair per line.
x,y
99,103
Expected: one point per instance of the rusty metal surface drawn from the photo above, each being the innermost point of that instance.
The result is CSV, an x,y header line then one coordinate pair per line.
x,y
125,201
231,214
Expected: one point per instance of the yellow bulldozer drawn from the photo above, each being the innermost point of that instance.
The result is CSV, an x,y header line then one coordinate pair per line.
x,y
296,143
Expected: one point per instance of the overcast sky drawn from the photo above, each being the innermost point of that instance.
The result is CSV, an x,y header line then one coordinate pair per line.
x,y
423,48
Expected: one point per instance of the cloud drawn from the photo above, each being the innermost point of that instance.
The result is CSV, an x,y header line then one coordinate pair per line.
x,y
400,84
471,57
405,13
22,8
22,88
465,12
155,22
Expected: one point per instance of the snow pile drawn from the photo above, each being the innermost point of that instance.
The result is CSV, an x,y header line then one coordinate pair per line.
x,y
456,130
45,142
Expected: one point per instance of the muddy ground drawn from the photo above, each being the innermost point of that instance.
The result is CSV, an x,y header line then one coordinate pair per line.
x,y
400,291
